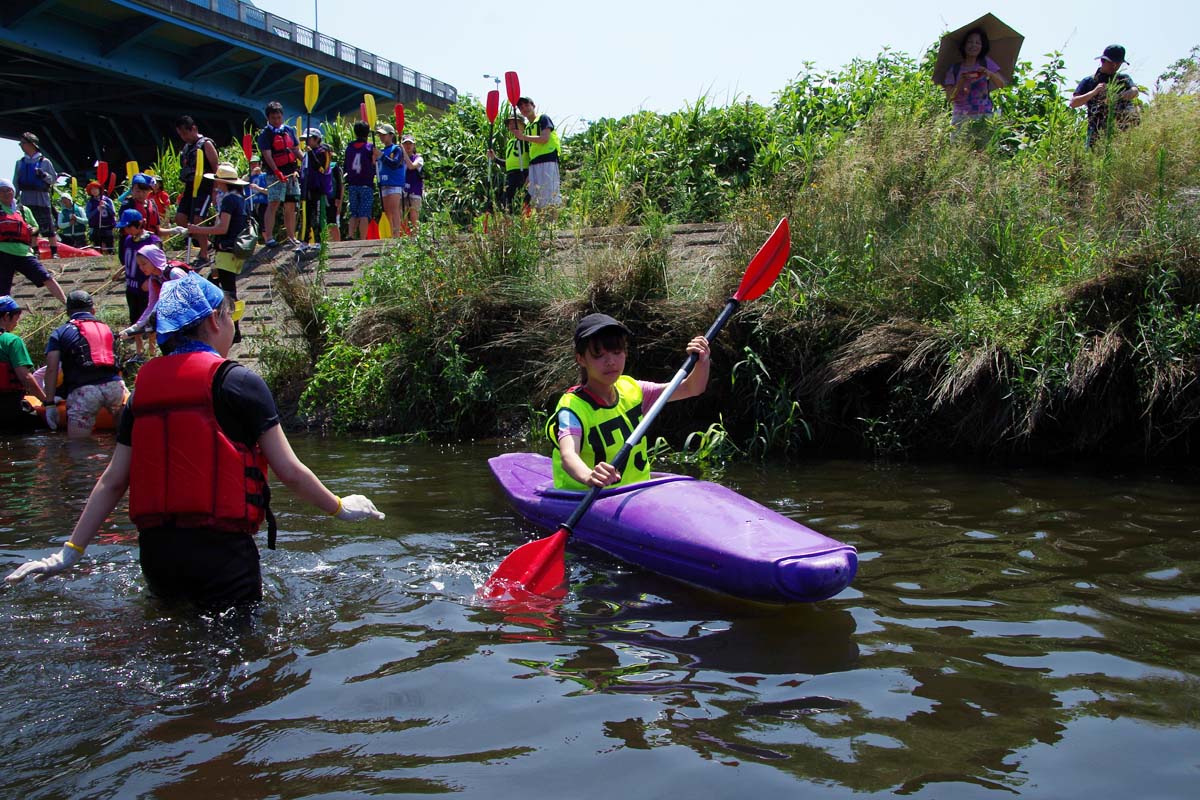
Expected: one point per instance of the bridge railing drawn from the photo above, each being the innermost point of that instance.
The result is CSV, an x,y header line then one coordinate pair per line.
x,y
306,37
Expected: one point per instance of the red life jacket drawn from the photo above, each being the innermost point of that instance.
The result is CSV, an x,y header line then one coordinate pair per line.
x,y
281,147
13,227
185,470
10,382
96,348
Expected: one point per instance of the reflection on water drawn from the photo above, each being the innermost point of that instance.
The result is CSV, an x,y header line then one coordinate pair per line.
x,y
1010,632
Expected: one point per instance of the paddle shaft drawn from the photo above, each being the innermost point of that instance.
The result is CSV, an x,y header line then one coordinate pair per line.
x,y
640,431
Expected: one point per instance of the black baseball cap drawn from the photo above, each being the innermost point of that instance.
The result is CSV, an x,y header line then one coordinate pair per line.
x,y
593,324
1114,52
78,300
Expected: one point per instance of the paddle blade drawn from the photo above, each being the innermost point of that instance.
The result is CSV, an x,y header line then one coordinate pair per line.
x,y
372,230
398,112
74,187
362,111
199,172
101,172
493,105
535,568
131,169
385,227
112,182
248,147
767,263
311,89
369,102
513,87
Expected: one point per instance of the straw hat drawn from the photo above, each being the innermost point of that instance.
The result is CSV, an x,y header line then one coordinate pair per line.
x,y
226,173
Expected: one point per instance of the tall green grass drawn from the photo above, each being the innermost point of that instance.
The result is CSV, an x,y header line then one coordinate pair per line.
x,y
1002,290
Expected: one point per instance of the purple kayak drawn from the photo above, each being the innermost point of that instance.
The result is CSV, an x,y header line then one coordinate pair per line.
x,y
694,531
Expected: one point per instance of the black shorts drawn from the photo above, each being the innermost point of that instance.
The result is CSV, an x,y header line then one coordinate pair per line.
x,y
314,204
137,300
45,220
213,569
191,206
28,266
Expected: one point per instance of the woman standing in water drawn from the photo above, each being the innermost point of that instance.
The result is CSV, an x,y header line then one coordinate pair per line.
x,y
193,448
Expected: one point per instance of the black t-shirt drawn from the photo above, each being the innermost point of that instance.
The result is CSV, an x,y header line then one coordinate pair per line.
x,y
244,406
234,205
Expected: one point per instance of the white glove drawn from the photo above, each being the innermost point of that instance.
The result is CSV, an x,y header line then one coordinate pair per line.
x,y
355,507
64,559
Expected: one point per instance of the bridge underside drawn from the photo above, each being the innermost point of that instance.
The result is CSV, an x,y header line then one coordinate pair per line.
x,y
106,80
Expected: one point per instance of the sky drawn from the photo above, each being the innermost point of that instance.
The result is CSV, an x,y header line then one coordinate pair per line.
x,y
583,62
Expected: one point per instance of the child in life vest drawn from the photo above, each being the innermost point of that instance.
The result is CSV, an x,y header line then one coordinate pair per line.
x,y
593,420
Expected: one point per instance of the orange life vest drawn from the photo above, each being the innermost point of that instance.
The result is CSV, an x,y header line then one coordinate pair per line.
x,y
186,471
96,349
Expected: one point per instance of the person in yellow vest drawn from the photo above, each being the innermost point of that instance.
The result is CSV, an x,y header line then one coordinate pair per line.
x,y
544,149
516,167
593,419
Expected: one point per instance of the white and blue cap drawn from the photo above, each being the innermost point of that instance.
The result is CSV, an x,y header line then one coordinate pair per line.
x,y
184,302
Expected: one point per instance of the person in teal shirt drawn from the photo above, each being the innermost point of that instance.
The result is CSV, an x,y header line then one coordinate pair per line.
x,y
16,373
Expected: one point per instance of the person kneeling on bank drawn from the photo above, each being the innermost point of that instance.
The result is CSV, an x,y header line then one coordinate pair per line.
x,y
193,448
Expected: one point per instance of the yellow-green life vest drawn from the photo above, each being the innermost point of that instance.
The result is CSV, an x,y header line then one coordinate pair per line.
x,y
514,149
604,432
542,151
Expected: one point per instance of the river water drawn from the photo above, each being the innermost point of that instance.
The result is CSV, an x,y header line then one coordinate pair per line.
x,y
1011,632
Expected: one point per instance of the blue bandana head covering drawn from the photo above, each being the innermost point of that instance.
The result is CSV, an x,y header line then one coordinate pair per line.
x,y
185,301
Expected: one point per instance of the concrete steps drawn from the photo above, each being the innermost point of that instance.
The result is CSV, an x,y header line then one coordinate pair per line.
x,y
694,249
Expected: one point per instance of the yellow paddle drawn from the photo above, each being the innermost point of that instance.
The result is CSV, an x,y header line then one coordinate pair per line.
x,y
385,225
131,169
312,84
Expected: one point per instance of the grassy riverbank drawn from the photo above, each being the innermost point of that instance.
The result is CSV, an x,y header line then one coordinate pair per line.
x,y
1001,291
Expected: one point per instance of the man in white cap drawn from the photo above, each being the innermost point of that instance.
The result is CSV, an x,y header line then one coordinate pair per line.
x,y
232,219
18,234
193,449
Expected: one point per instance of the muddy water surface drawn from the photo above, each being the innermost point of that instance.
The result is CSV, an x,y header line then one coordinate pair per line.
x,y
1011,632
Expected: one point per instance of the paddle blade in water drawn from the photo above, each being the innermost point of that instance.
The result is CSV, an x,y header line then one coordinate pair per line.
x,y
513,87
767,263
493,104
369,102
535,568
248,146
372,230
398,112
101,172
311,89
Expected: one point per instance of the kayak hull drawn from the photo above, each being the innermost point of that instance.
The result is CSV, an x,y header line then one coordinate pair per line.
x,y
690,530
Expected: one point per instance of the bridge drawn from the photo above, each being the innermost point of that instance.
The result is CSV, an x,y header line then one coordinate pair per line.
x,y
105,79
